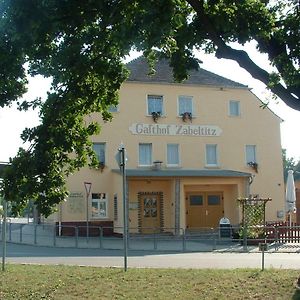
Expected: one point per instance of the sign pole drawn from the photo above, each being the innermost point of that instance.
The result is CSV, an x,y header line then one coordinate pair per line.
x,y
125,214
4,234
121,159
88,186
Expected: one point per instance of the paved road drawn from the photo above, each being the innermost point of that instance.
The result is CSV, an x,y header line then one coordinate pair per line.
x,y
146,259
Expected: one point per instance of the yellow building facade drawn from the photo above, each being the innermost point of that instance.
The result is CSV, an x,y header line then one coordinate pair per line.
x,y
193,149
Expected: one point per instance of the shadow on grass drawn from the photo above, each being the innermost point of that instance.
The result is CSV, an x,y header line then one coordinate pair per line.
x,y
296,295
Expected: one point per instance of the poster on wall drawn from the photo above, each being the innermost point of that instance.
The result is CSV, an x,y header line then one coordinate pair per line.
x,y
75,203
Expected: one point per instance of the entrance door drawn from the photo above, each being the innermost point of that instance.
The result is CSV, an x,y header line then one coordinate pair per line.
x,y
196,211
215,209
150,213
204,209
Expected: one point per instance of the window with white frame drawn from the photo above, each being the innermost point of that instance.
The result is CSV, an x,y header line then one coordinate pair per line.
x,y
211,155
99,205
113,108
185,105
99,149
234,108
251,154
145,154
172,154
155,104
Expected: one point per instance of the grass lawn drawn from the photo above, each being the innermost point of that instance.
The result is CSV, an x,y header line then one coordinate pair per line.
x,y
66,282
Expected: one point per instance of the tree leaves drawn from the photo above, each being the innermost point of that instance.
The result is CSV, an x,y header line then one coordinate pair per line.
x,y
80,46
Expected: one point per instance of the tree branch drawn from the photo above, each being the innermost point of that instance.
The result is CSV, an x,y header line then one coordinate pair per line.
x,y
287,95
242,58
275,48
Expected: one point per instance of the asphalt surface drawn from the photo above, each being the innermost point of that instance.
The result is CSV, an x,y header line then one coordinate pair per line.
x,y
26,254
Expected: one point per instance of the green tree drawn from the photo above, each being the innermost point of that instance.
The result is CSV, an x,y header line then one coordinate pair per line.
x,y
290,164
81,44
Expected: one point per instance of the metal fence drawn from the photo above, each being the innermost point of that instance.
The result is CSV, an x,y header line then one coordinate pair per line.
x,y
220,239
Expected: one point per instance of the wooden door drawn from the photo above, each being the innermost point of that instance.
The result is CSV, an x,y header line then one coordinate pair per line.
x,y
214,207
150,213
195,212
204,209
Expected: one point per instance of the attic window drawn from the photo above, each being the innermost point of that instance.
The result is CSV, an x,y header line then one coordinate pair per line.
x,y
234,108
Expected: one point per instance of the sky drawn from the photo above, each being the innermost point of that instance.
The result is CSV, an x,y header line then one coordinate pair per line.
x,y
12,121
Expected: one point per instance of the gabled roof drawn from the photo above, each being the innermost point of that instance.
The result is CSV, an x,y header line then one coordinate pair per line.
x,y
139,71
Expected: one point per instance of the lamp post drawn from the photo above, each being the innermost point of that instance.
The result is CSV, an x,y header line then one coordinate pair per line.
x,y
4,233
4,219
88,186
121,160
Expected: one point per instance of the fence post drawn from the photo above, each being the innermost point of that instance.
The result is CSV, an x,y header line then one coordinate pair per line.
x,y
21,233
276,238
215,243
154,240
76,236
245,248
35,236
9,234
263,258
128,238
100,236
183,241
213,235
54,235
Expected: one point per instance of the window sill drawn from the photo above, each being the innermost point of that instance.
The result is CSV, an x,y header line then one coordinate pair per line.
x,y
212,167
161,116
173,166
247,164
193,117
145,166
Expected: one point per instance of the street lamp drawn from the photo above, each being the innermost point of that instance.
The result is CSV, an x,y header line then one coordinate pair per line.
x,y
5,165
121,160
4,232
88,186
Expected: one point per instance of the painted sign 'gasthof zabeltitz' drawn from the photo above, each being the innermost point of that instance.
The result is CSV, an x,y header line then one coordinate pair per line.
x,y
174,129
